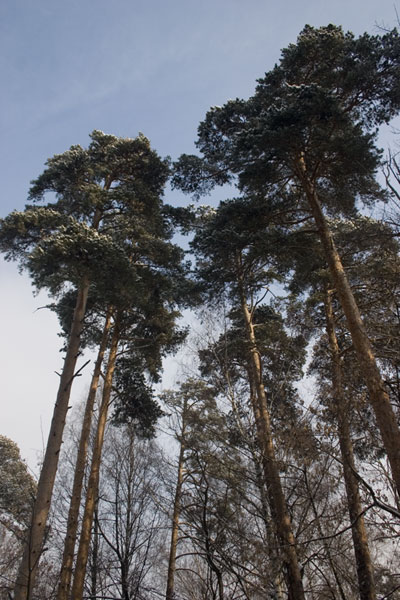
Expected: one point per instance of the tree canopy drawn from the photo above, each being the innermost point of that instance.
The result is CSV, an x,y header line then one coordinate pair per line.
x,y
269,488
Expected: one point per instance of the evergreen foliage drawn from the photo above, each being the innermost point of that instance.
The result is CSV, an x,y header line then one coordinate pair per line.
x,y
275,492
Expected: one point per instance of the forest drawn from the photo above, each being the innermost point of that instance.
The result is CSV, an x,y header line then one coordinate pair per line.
x,y
271,471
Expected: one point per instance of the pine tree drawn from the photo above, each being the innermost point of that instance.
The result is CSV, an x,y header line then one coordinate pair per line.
x,y
230,257
296,140
70,241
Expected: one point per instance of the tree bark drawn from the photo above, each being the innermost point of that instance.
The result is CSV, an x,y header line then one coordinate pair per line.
x,y
378,395
277,501
93,484
324,543
209,546
275,579
33,549
95,554
169,595
275,554
73,515
365,573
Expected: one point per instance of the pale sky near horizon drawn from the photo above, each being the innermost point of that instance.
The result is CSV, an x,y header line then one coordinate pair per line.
x,y
68,67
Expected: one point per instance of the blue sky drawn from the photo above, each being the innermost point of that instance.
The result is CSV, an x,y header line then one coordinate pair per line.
x,y
123,66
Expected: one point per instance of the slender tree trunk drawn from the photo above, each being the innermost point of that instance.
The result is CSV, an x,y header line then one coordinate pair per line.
x,y
169,595
275,566
33,549
123,527
220,585
365,573
208,545
378,395
275,556
95,554
73,515
277,501
324,543
93,484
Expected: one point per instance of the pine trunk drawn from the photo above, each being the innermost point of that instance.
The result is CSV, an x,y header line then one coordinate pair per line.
x,y
277,501
94,571
73,515
378,395
365,573
325,545
93,484
33,549
274,577
169,595
261,478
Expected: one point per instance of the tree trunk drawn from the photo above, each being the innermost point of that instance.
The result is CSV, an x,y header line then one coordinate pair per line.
x,y
95,554
209,546
277,501
365,573
274,554
274,580
378,395
73,515
169,595
33,549
324,543
220,585
93,484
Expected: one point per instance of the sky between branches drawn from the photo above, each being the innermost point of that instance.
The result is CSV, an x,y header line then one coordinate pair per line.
x,y
155,66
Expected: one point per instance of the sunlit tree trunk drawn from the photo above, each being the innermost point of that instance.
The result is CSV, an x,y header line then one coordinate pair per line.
x,y
176,512
274,576
33,549
364,566
325,545
94,571
378,395
274,552
93,484
73,515
277,501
